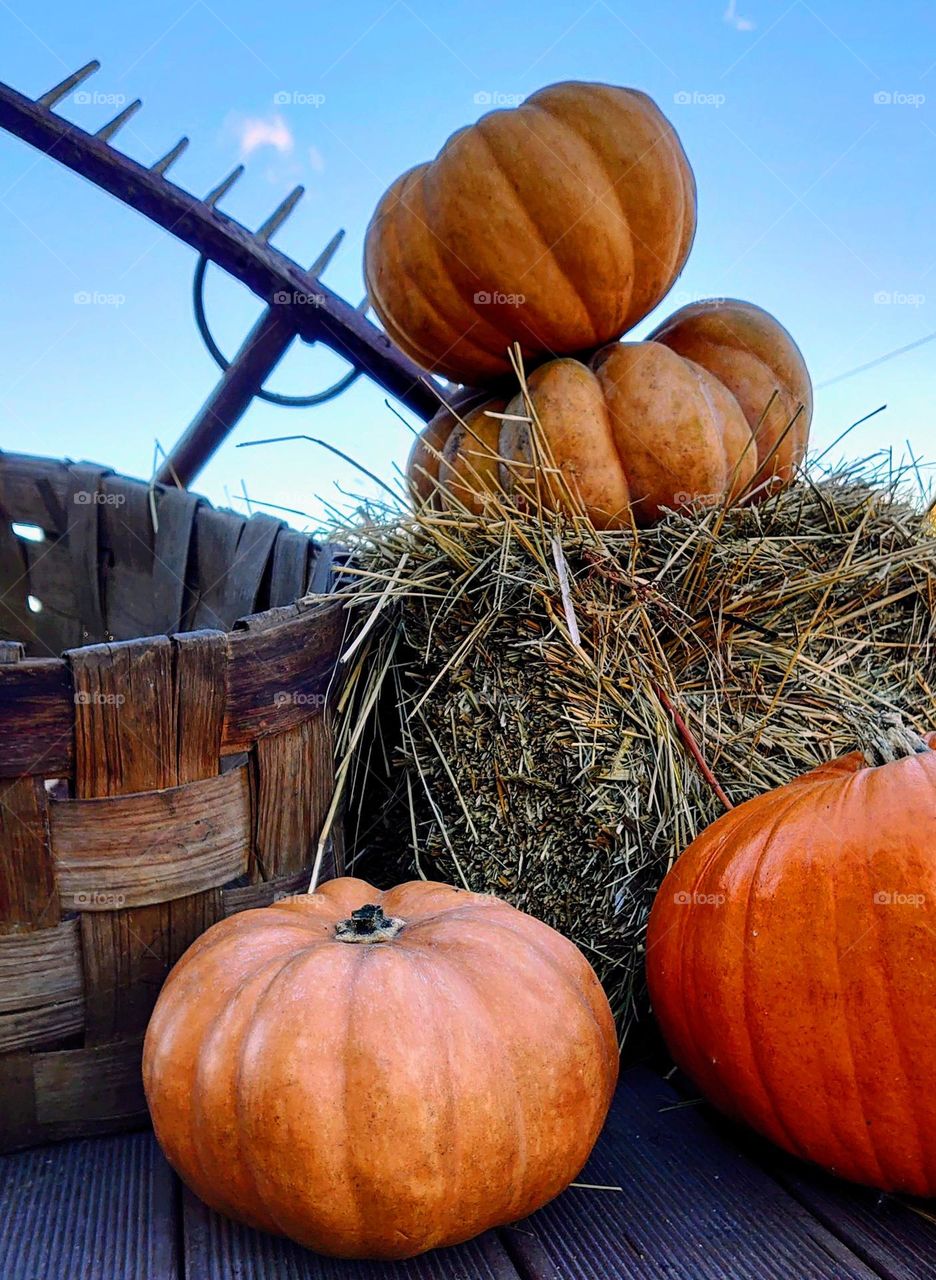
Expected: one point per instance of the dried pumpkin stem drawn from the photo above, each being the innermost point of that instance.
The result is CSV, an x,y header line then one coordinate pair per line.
x,y
368,924
891,740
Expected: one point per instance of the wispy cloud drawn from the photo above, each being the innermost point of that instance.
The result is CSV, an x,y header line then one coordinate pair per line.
x,y
733,19
254,132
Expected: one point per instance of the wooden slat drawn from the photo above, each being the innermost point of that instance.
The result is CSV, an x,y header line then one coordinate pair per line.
x,y
290,573
129,851
299,763
37,713
103,1209
176,510
246,576
263,893
214,552
690,1205
200,697
40,967
217,1249
28,896
894,1240
124,732
48,1025
127,555
278,674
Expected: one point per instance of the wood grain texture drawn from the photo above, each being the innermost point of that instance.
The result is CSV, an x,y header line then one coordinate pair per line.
x,y
28,897
37,713
218,1249
129,851
689,1205
40,967
296,765
103,1209
279,674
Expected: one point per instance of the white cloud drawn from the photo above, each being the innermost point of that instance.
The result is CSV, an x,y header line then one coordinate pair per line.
x,y
255,132
731,17
316,160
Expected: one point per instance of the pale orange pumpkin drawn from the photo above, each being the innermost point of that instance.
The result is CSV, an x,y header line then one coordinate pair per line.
x,y
558,224
716,406
375,1074
791,957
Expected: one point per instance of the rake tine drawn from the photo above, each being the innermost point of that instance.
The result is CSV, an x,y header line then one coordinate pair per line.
x,y
325,257
72,82
216,193
170,157
107,132
279,215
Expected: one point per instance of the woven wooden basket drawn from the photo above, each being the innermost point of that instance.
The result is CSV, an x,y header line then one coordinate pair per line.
x,y
165,760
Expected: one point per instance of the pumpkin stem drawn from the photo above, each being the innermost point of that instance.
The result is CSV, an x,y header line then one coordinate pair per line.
x,y
368,924
891,740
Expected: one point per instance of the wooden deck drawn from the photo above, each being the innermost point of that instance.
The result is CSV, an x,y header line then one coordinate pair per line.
x,y
696,1201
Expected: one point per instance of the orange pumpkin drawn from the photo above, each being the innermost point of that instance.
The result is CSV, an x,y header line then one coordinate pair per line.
x,y
558,224
375,1074
791,957
701,413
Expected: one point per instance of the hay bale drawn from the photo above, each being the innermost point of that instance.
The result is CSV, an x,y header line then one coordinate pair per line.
x,y
571,707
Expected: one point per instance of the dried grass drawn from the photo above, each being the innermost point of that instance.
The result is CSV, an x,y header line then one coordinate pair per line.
x,y
544,711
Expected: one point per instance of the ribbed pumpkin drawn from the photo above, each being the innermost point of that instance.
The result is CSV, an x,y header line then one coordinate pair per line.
x,y
701,412
791,957
558,224
375,1074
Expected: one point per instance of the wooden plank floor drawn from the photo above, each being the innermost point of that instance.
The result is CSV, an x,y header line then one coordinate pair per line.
x,y
696,1201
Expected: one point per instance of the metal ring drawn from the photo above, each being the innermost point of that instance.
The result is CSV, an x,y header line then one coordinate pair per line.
x,y
271,397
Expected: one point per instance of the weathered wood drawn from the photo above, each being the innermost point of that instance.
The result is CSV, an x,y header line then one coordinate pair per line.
x,y
97,1210
40,967
297,764
218,1249
200,698
689,1204
277,677
129,851
263,893
28,896
37,714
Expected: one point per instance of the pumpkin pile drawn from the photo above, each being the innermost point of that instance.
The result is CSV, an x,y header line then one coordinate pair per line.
x,y
535,239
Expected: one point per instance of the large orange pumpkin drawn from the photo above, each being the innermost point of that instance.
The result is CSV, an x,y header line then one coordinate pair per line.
x,y
558,224
717,405
375,1074
791,957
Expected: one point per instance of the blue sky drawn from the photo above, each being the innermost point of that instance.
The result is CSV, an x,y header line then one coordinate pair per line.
x,y
811,128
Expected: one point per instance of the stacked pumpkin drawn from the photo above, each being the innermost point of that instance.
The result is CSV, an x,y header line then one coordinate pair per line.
x,y
555,228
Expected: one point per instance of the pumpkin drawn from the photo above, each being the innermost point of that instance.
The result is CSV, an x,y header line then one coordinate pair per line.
x,y
699,414
791,958
558,224
375,1074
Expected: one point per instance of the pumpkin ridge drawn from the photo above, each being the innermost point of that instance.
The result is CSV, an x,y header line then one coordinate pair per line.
x,y
198,1105
867,779
561,970
550,250
612,186
756,1056
735,823
841,788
